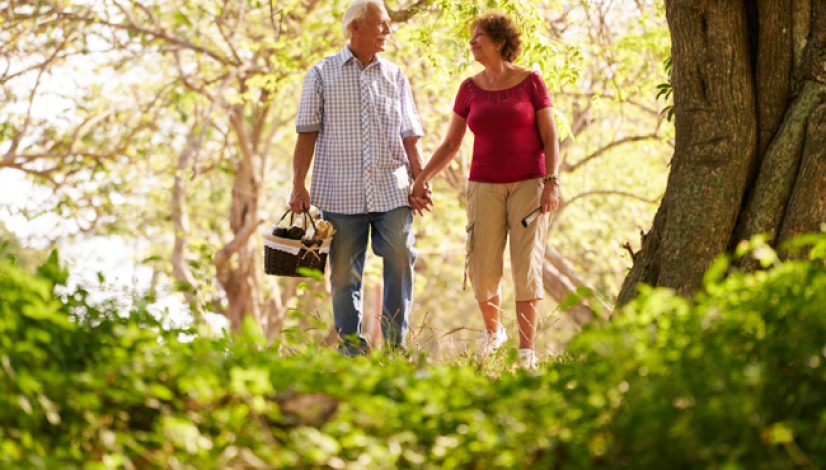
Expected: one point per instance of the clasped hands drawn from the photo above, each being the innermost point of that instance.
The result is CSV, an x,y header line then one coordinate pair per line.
x,y
419,197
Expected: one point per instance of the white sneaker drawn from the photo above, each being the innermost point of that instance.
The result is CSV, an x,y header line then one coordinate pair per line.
x,y
491,342
527,359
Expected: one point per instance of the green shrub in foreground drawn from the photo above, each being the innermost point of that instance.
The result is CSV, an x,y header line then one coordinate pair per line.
x,y
732,377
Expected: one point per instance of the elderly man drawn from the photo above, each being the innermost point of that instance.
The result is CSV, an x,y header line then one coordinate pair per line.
x,y
357,114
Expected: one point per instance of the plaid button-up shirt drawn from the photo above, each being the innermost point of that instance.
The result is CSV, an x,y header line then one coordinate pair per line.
x,y
362,115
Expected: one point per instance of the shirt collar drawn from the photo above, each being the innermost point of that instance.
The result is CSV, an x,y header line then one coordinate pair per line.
x,y
346,55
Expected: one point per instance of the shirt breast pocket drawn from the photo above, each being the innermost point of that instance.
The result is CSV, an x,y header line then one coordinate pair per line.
x,y
389,113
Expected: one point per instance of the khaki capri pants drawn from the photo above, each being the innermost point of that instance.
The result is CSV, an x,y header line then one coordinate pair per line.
x,y
495,212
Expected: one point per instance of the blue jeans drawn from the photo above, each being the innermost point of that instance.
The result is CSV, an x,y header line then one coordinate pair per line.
x,y
392,239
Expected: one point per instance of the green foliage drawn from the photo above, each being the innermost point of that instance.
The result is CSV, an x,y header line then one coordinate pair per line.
x,y
733,377
664,91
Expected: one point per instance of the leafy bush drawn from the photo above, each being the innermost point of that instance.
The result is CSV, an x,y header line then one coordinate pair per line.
x,y
734,376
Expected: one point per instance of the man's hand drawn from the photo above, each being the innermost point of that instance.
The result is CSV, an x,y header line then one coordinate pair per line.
x,y
550,198
299,199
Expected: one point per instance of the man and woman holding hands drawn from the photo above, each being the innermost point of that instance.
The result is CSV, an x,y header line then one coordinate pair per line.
x,y
358,118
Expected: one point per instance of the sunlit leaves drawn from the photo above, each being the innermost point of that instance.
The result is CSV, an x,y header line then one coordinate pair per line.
x,y
674,380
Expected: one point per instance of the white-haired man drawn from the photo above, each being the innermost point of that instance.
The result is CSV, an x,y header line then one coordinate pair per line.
x,y
358,116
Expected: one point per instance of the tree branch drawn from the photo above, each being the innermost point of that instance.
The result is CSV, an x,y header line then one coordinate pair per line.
x,y
18,136
147,12
155,34
223,255
54,57
402,15
591,94
600,151
609,192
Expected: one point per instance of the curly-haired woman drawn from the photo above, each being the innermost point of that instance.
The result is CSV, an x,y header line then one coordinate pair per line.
x,y
513,171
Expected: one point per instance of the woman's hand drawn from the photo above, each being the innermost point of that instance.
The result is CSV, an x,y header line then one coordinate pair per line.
x,y
550,197
419,198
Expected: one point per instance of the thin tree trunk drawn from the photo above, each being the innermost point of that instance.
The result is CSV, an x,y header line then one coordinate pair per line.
x,y
180,226
237,263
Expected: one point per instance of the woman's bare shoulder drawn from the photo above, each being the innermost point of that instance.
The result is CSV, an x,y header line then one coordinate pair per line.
x,y
522,71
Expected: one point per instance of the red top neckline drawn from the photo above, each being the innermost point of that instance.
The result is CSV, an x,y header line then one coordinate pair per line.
x,y
522,82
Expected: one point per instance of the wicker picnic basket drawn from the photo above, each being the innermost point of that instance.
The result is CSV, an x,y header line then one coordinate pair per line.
x,y
284,255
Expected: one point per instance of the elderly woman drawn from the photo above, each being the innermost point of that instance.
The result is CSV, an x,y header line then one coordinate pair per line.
x,y
512,173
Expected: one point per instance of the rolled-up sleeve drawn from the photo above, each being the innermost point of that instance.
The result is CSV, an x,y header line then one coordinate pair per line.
x,y
310,109
411,125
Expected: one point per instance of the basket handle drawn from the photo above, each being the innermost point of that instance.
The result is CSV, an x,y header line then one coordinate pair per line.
x,y
312,222
306,215
285,215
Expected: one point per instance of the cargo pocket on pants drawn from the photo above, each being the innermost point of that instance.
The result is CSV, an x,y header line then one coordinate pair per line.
x,y
468,252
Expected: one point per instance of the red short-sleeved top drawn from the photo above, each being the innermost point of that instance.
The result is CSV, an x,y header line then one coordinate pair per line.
x,y
507,145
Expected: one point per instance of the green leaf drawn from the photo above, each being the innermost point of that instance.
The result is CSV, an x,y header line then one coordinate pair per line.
x,y
716,271
181,19
311,273
573,299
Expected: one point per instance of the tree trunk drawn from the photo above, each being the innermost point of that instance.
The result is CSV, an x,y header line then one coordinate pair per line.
x,y
237,262
180,225
750,115
239,272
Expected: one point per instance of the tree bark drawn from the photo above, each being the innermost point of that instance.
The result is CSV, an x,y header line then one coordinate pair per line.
x,y
237,263
180,225
750,113
807,207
